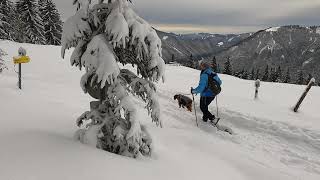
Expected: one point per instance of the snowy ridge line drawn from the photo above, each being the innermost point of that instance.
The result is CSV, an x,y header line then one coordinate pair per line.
x,y
243,41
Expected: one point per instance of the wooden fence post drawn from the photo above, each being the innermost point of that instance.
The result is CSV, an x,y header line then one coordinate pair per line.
x,y
310,84
20,76
257,85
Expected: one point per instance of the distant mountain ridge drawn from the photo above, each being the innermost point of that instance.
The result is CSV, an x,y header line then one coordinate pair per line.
x,y
291,47
181,46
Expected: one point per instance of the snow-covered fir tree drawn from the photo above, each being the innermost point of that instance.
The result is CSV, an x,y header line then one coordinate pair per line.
x,y
227,67
257,75
237,74
287,78
265,76
214,64
105,34
218,68
3,65
245,74
2,29
7,15
51,21
251,76
308,78
278,75
3,24
31,22
300,78
273,75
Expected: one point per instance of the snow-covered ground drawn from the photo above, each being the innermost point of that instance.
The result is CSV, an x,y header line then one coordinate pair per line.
x,y
270,141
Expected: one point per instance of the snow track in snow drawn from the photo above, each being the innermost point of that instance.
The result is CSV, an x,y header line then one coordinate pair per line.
x,y
293,146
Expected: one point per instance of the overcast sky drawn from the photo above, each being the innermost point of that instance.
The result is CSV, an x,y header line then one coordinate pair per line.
x,y
219,16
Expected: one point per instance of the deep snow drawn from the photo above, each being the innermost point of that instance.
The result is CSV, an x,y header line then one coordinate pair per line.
x,y
270,141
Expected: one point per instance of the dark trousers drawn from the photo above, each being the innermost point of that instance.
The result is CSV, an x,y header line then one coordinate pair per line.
x,y
204,103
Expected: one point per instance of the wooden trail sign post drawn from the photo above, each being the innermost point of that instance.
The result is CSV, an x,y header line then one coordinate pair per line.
x,y
310,84
22,58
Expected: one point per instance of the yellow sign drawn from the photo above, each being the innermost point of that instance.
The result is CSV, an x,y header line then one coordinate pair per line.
x,y
21,59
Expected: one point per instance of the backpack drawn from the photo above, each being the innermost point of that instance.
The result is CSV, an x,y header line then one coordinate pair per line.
x,y
213,85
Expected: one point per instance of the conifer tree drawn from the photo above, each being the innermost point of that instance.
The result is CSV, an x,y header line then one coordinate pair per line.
x,y
245,74
172,58
265,76
240,73
7,15
309,78
32,25
257,75
2,62
227,67
237,74
252,75
287,77
105,34
278,74
51,21
273,75
214,64
2,29
218,68
300,79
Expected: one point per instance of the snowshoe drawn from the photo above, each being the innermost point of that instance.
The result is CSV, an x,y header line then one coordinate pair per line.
x,y
221,127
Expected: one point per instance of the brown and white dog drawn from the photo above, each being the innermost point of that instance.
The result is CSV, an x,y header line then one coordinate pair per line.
x,y
183,101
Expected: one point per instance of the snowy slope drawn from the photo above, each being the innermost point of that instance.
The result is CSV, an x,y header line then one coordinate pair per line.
x,y
270,141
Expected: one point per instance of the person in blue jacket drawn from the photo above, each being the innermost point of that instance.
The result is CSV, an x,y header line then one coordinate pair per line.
x,y
207,96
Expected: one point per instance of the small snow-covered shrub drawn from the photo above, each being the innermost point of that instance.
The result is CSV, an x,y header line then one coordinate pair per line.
x,y
103,35
2,62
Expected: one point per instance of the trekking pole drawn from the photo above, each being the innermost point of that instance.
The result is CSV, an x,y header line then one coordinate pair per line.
x,y
195,111
218,118
186,94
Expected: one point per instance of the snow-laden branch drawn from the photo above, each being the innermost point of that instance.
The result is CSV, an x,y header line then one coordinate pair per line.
x,y
122,26
2,62
99,57
146,91
117,28
75,28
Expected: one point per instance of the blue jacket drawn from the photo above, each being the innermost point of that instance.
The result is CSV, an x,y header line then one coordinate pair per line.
x,y
203,84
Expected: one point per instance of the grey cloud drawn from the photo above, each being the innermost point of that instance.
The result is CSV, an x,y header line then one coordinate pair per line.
x,y
306,17
251,13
